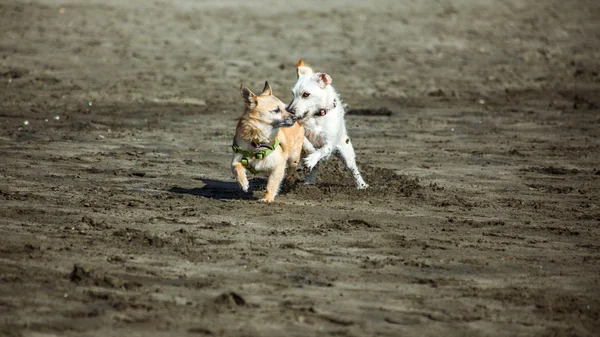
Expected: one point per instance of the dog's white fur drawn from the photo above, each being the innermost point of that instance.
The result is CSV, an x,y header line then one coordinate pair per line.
x,y
325,135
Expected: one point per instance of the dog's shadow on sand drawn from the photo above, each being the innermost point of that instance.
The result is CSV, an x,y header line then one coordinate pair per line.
x,y
221,190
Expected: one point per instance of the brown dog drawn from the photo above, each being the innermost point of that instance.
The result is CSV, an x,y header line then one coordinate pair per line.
x,y
267,139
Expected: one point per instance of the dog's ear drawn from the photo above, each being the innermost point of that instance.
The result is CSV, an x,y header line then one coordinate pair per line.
x,y
248,96
267,90
303,69
323,79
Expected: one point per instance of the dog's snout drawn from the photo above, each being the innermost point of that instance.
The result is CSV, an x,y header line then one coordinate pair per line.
x,y
290,121
290,109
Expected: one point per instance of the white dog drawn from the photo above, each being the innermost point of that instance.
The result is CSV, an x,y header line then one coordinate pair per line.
x,y
317,105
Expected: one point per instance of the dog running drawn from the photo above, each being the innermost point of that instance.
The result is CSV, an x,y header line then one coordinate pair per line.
x,y
318,107
267,141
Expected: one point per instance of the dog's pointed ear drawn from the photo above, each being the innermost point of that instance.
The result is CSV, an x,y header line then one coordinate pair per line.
x,y
267,90
248,96
323,79
303,69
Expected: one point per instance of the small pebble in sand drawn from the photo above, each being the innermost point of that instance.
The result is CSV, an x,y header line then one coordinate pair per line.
x,y
57,117
26,123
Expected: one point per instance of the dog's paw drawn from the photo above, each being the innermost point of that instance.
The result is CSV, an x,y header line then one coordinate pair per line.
x,y
267,200
362,186
269,197
290,181
312,160
309,182
311,179
244,185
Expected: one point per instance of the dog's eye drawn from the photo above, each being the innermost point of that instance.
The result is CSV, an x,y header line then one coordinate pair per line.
x,y
305,94
277,110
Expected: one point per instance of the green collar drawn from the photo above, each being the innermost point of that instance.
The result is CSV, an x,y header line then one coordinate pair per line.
x,y
258,155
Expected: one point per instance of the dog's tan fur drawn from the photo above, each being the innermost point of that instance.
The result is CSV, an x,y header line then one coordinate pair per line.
x,y
263,120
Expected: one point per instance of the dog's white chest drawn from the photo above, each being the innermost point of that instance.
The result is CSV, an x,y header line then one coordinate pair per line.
x,y
315,125
315,131
268,163
326,128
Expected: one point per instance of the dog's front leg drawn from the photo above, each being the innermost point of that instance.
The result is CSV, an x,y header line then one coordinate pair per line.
x,y
310,149
308,146
273,183
240,175
322,153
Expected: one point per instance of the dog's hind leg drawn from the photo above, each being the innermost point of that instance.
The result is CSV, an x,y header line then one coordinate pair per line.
x,y
346,152
292,164
273,183
312,176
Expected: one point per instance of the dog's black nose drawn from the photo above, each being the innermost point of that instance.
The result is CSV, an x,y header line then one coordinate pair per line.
x,y
289,122
290,110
